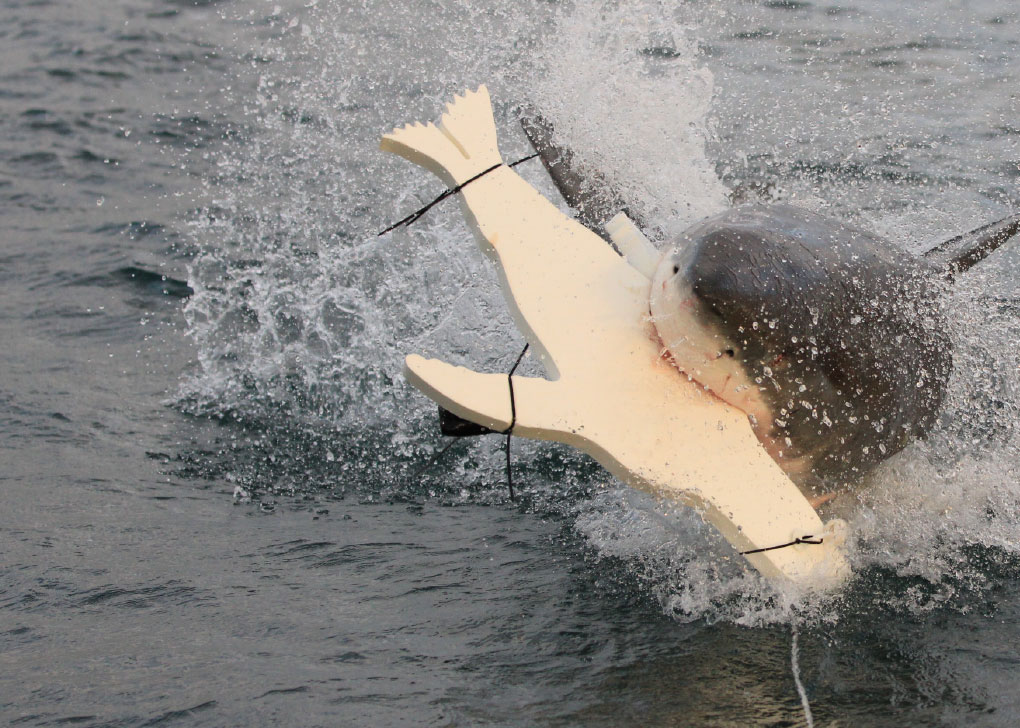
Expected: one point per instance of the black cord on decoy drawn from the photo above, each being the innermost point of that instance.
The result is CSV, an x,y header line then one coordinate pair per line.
x,y
813,540
513,419
449,193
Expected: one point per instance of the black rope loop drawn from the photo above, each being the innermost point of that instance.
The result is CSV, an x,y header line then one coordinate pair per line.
x,y
449,193
513,418
812,540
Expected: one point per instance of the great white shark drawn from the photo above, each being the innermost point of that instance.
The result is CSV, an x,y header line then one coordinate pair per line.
x,y
830,338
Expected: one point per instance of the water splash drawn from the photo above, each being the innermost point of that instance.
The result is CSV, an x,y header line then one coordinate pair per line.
x,y
301,316
626,89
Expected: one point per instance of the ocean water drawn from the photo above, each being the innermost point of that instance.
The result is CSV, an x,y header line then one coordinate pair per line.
x,y
220,504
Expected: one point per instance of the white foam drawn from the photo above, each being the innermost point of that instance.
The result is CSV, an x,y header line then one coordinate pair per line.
x,y
624,88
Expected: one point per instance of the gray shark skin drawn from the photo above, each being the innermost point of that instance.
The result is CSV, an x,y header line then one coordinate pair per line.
x,y
837,344
830,338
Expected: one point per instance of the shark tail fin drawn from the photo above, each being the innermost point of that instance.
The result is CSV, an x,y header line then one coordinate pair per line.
x,y
462,145
960,253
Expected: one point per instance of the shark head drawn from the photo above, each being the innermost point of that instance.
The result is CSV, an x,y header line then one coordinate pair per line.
x,y
827,337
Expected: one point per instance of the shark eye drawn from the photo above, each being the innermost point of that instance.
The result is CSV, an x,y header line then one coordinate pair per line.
x,y
676,269
730,353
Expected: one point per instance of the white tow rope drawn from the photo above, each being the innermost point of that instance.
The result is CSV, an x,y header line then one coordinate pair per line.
x,y
795,668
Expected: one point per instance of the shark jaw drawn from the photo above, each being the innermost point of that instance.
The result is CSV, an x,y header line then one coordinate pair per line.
x,y
693,336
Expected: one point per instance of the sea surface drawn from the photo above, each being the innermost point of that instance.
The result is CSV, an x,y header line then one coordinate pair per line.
x,y
221,504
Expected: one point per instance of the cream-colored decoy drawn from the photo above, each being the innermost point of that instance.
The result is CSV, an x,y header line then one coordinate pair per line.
x,y
609,392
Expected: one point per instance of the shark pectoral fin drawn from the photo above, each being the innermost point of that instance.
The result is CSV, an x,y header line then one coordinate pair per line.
x,y
539,405
584,189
